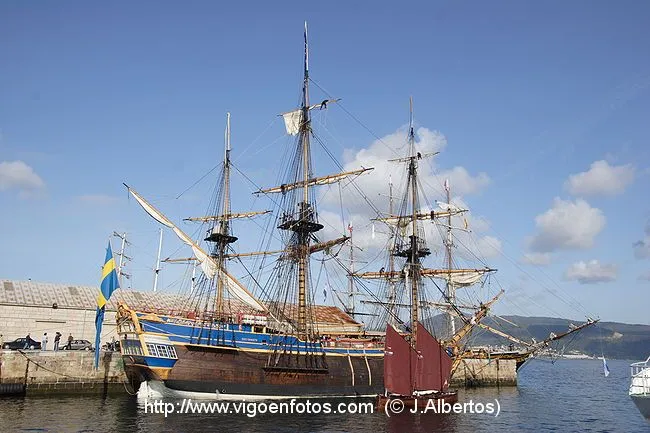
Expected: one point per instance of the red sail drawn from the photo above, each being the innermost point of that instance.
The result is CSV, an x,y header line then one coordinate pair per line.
x,y
397,374
433,365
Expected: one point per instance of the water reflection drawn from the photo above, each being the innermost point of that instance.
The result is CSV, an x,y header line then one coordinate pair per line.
x,y
570,396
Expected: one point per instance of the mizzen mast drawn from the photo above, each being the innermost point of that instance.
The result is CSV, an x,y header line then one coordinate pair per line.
x,y
416,249
449,243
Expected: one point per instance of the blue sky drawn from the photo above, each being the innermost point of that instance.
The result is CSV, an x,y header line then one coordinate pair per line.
x,y
541,107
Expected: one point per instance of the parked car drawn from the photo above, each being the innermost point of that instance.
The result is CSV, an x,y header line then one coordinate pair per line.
x,y
79,345
19,343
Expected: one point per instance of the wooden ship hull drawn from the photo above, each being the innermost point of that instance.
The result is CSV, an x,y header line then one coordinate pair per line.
x,y
222,374
242,360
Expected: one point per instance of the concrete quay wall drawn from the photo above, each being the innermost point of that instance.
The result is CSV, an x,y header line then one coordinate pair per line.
x,y
485,372
45,372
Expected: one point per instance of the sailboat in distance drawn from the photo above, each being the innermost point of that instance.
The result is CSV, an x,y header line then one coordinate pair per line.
x,y
224,342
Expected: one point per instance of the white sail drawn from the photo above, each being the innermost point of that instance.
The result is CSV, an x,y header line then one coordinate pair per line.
x,y
208,265
448,206
292,121
463,279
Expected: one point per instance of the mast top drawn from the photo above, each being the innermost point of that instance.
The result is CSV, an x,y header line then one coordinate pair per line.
x,y
306,54
227,132
411,132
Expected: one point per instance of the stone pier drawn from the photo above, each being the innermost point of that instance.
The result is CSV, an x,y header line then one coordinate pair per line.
x,y
36,372
485,372
47,372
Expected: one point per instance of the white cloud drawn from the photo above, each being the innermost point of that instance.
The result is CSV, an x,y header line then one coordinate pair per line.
x,y
488,246
591,272
645,276
98,199
538,259
567,225
463,182
375,186
601,179
375,183
20,176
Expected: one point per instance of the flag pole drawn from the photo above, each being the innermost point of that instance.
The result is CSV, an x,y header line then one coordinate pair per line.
x,y
109,284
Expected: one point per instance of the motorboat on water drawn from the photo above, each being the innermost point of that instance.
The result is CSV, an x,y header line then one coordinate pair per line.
x,y
640,386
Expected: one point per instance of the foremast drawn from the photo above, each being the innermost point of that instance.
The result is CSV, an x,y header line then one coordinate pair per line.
x,y
220,234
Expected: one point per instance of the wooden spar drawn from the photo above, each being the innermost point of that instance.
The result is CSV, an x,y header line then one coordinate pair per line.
x,y
320,105
229,216
180,260
422,304
408,158
404,220
504,335
589,322
323,180
465,330
423,272
255,253
328,244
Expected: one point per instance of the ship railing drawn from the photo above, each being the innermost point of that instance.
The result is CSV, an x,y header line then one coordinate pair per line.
x,y
640,372
353,344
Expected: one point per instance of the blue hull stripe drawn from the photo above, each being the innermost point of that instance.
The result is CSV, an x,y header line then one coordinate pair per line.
x,y
231,335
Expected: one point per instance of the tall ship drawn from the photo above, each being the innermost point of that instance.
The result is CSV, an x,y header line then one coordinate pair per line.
x,y
227,339
225,342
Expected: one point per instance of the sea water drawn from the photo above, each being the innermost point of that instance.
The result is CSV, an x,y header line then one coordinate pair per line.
x,y
564,396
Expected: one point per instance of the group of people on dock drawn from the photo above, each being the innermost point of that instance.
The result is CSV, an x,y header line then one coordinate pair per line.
x,y
57,340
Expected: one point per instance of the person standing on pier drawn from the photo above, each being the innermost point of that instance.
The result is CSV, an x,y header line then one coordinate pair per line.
x,y
57,338
44,341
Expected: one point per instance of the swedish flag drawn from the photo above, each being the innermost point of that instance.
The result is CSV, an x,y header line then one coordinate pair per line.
x,y
109,284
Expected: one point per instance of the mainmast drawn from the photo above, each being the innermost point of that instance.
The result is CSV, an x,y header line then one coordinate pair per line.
x,y
299,215
303,224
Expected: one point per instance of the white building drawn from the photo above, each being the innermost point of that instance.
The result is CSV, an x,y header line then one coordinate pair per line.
x,y
29,307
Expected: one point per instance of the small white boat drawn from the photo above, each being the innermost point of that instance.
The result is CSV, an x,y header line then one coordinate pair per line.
x,y
640,386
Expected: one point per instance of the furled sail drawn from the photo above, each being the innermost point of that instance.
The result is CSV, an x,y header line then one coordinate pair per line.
x,y
463,279
448,206
208,265
323,180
